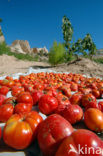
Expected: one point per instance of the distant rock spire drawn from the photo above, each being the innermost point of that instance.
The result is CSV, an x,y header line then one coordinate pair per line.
x,y
2,38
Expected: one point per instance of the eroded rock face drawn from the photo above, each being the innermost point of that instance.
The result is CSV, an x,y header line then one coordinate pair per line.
x,y
2,38
21,46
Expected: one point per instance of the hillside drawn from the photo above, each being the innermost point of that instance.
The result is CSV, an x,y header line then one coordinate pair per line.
x,y
11,65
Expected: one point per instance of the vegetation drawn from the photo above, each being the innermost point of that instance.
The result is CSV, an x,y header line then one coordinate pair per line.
x,y
98,60
56,54
4,49
72,50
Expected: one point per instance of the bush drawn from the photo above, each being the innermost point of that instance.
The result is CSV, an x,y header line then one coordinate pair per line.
x,y
56,54
4,49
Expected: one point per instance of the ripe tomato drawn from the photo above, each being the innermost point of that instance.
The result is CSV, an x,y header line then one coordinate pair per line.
x,y
25,97
79,143
76,98
16,90
73,113
47,104
2,98
10,100
51,132
100,105
96,93
36,95
4,90
89,101
6,112
22,108
19,130
93,119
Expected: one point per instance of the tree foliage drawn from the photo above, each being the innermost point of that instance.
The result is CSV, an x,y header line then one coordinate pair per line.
x,y
0,20
67,31
56,54
83,47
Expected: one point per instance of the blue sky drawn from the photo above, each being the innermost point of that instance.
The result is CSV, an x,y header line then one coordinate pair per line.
x,y
39,21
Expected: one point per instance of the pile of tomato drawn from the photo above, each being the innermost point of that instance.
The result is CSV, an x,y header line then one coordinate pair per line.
x,y
65,99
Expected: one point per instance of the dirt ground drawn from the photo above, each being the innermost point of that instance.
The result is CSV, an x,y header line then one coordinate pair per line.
x,y
11,65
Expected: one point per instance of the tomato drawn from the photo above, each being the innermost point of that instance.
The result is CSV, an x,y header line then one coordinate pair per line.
x,y
10,100
85,90
47,104
16,90
6,112
2,98
73,113
74,87
22,108
89,101
96,93
66,90
79,143
100,105
20,130
25,97
36,95
4,90
93,119
76,98
51,132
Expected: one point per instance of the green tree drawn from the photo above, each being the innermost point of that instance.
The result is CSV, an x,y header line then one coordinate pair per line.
x,y
67,30
89,45
56,54
0,20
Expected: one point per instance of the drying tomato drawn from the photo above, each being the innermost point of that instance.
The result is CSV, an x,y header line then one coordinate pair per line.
x,y
36,95
25,97
20,130
51,132
73,113
89,101
47,104
93,119
6,112
2,98
4,90
79,143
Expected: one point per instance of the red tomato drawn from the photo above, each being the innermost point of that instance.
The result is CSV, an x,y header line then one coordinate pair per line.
x,y
73,113
89,101
22,108
6,112
76,98
96,93
4,90
51,132
19,131
100,104
93,119
79,143
10,100
36,95
74,87
47,104
2,98
25,97
16,90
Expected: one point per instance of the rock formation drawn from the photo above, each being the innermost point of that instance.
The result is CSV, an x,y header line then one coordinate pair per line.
x,y
2,39
20,46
